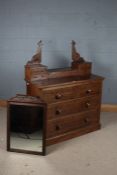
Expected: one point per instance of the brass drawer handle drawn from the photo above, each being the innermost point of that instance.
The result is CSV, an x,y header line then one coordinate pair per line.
x,y
27,83
88,91
58,111
88,104
58,96
57,127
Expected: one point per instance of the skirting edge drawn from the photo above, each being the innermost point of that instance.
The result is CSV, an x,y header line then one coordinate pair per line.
x,y
109,108
3,103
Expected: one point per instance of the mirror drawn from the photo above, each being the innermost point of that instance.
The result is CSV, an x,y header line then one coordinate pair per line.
x,y
25,128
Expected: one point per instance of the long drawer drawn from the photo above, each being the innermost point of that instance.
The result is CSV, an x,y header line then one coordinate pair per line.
x,y
60,93
72,122
56,110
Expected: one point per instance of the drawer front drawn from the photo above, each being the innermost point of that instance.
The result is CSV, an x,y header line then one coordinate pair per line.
x,y
57,110
76,121
75,91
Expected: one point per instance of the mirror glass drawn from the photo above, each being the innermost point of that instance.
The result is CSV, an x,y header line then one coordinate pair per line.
x,y
26,128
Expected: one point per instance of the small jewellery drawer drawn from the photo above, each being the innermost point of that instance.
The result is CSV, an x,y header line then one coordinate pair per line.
x,y
51,95
72,122
87,89
57,110
58,94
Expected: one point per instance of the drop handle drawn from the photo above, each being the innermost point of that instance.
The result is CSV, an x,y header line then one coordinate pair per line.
x,y
88,91
57,127
58,96
88,104
58,111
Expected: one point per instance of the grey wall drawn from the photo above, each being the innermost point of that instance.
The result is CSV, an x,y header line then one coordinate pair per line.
x,y
92,23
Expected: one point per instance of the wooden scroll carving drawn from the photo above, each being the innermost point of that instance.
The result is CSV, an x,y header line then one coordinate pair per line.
x,y
36,59
35,71
75,55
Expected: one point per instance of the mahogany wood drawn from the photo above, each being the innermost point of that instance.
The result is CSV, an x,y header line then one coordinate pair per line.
x,y
73,133
70,90
72,122
72,96
72,106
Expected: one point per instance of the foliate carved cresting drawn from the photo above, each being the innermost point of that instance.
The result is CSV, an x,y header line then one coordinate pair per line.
x,y
75,55
37,57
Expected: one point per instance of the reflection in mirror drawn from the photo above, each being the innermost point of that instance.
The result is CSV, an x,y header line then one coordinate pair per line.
x,y
26,128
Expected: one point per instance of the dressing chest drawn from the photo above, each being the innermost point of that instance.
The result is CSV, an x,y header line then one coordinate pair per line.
x,y
72,97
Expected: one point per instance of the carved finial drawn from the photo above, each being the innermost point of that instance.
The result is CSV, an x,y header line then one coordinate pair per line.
x,y
75,55
36,59
73,42
40,43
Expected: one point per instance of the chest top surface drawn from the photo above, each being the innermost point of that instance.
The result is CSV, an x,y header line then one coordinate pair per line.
x,y
67,81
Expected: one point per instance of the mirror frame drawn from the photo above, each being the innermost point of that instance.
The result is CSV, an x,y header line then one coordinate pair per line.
x,y
9,103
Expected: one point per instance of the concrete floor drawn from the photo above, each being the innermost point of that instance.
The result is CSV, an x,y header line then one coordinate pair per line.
x,y
91,154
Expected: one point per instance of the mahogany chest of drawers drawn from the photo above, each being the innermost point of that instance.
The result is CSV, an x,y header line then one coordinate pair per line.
x,y
73,106
72,95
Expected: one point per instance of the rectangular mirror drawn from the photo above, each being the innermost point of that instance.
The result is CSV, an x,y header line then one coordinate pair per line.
x,y
25,131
